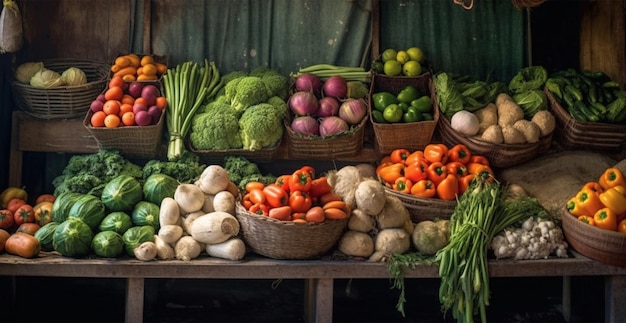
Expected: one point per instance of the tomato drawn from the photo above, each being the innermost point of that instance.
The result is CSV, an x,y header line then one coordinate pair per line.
x,y
15,204
282,213
300,201
43,212
257,196
45,198
24,214
28,227
6,219
275,196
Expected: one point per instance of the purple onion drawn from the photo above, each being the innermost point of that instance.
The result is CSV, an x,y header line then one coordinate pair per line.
x,y
329,106
332,126
303,103
352,111
305,125
309,82
335,86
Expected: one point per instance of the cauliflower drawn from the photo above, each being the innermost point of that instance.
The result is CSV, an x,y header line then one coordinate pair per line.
x,y
216,128
246,91
260,126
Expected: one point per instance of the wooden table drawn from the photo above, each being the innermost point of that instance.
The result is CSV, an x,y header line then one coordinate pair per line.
x,y
318,275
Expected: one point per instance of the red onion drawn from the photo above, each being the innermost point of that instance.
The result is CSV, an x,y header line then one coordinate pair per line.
x,y
305,125
309,82
335,86
329,106
352,111
332,126
303,103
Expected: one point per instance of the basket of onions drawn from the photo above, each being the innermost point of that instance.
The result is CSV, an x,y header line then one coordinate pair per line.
x,y
324,122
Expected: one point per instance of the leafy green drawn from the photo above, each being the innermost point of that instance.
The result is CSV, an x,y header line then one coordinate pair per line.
x,y
528,78
531,101
448,94
186,169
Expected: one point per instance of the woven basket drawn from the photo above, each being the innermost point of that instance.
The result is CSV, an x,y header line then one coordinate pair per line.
x,y
288,240
217,155
605,246
499,155
572,134
129,141
412,135
65,101
422,209
345,145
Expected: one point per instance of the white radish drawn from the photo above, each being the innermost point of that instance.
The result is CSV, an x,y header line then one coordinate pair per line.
x,y
189,197
169,212
231,249
170,233
165,251
187,248
224,201
214,227
146,251
213,179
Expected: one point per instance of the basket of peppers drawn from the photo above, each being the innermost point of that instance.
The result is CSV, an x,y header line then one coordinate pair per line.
x,y
429,181
594,220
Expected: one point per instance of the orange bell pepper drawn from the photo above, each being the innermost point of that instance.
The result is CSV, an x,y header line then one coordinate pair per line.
x,y
415,156
574,209
595,186
390,173
459,153
606,219
481,171
614,199
621,226
457,168
424,188
399,155
416,171
464,182
403,185
587,219
480,159
436,172
436,153
448,188
612,177
589,201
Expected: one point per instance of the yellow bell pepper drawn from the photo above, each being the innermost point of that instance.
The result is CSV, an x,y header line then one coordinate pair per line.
x,y
614,198
612,177
574,209
606,219
589,200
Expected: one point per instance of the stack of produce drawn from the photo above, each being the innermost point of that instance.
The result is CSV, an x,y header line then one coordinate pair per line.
x,y
133,67
408,105
37,75
400,62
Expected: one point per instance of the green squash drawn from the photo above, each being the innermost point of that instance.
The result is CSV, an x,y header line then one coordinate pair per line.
x,y
122,193
117,222
146,213
159,186
135,236
72,238
108,244
62,205
45,234
90,209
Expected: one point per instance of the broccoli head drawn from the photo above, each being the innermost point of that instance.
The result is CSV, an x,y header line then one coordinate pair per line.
x,y
216,128
246,91
279,105
260,126
239,167
186,169
277,85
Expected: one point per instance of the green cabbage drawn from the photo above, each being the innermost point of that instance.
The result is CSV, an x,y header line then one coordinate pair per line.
x,y
135,236
45,79
72,238
74,76
159,186
90,209
146,213
122,193
25,71
116,221
62,205
45,235
107,244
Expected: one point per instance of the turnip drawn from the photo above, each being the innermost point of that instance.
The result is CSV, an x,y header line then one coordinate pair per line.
x,y
393,215
359,221
187,248
370,196
231,249
170,233
357,244
213,179
169,212
214,227
188,220
189,197
392,241
165,251
146,251
224,201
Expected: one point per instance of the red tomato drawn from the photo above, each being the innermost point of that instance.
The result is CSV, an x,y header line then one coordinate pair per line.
x,y
6,219
24,214
15,204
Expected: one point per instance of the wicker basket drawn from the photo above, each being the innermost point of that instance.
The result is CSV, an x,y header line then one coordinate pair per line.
x,y
499,155
572,134
605,246
288,240
130,141
63,102
340,146
217,155
413,135
421,208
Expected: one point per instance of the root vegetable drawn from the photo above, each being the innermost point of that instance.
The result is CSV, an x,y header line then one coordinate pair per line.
x,y
187,248
214,227
508,111
429,237
207,207
213,179
529,129
487,116
465,123
170,233
190,198
188,220
545,121
393,215
361,222
169,212
392,241
224,201
344,183
510,135
165,251
23,244
370,196
366,170
231,249
356,244
146,251
492,134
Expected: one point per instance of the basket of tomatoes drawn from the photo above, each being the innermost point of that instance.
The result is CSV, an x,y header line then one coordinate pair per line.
x,y
429,181
297,217
594,220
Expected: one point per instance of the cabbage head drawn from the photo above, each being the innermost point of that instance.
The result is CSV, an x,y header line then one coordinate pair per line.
x,y
46,78
72,238
25,71
74,76
108,244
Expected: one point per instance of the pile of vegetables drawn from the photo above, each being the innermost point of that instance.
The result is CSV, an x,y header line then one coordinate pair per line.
x,y
588,96
456,93
247,112
408,105
133,67
435,172
326,107
241,171
38,76
300,196
602,203
326,71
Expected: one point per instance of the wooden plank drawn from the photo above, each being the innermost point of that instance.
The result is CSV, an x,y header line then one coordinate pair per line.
x,y
324,300
56,135
134,300
309,300
614,296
